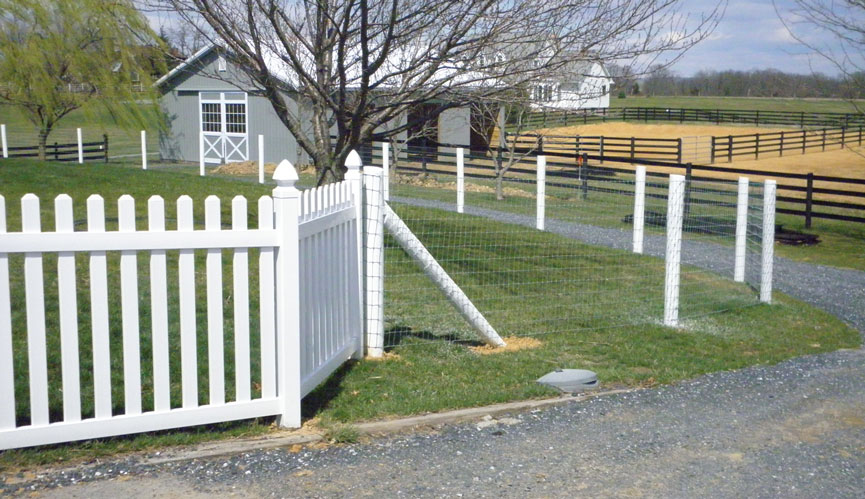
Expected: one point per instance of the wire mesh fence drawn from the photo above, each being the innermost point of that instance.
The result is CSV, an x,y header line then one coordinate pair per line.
x,y
580,272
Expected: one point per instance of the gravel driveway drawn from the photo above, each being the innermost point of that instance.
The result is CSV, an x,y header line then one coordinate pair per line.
x,y
796,429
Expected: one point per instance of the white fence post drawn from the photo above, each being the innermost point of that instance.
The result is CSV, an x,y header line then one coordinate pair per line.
x,y
80,147
675,211
542,192
385,165
286,207
143,150
353,176
260,159
741,230
201,153
3,139
461,181
374,233
769,189
639,208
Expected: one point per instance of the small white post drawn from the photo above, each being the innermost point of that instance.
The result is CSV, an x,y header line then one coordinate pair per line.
x,y
3,139
461,181
286,208
372,181
675,212
201,154
542,192
741,230
769,189
143,150
354,178
261,159
80,148
385,165
639,208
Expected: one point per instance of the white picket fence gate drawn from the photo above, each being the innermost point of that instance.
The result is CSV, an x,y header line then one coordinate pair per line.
x,y
307,329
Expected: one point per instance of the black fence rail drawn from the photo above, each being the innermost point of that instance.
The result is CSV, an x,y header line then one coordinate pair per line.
x,y
814,191
553,118
91,151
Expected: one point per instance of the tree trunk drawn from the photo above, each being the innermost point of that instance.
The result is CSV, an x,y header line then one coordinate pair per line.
x,y
500,193
43,138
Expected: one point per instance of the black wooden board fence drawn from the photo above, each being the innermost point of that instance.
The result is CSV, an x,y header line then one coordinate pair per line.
x,y
92,151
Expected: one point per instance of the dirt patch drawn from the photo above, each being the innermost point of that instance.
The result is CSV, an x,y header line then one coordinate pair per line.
x,y
243,168
420,181
385,357
513,344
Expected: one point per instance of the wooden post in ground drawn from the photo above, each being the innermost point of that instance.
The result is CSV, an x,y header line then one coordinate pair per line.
x,y
804,140
632,148
6,148
675,202
105,146
586,173
712,150
768,245
781,148
729,149
824,138
741,230
809,198
639,208
679,150
757,146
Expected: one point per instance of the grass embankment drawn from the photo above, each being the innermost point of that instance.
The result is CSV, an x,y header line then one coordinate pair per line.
x,y
432,374
742,103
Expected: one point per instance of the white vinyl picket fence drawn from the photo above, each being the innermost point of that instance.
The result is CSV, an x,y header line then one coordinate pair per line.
x,y
305,328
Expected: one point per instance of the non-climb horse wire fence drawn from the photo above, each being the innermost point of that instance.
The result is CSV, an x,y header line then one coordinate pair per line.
x,y
565,261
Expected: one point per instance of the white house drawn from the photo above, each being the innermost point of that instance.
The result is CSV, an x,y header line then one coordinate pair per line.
x,y
581,85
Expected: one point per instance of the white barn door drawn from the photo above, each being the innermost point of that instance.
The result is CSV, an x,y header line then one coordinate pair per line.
x,y
224,126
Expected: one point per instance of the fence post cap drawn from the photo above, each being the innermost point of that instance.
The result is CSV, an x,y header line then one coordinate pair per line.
x,y
353,161
285,174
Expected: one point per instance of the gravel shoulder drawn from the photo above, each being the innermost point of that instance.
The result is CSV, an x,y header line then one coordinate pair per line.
x,y
795,429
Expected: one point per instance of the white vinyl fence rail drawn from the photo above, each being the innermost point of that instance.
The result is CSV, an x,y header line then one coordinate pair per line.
x,y
309,315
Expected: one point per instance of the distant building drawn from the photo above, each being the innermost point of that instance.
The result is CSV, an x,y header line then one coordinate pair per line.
x,y
581,85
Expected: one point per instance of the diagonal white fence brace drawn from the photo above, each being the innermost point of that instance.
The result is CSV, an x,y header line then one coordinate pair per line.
x,y
418,252
769,192
541,204
639,208
675,211
741,230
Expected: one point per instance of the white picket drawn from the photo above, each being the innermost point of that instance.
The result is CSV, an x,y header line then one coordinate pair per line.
x,y
99,312
7,374
68,310
129,311
186,276
159,309
36,349
215,323
240,274
267,302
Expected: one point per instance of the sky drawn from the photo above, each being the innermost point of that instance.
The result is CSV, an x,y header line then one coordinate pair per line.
x,y
751,36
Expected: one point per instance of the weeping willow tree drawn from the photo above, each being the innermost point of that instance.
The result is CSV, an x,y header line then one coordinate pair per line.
x,y
57,56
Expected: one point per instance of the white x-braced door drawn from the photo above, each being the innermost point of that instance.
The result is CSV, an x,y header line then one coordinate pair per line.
x,y
224,135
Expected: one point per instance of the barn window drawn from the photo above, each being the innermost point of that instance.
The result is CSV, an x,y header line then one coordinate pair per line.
x,y
211,117
222,64
235,118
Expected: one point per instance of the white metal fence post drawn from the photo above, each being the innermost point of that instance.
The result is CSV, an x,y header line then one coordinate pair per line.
x,y
675,211
355,179
461,181
260,159
769,189
639,208
542,192
80,147
201,153
385,165
741,230
374,240
3,139
143,150
286,208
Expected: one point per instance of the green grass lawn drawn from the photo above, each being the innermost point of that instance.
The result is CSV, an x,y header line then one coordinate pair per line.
x,y
742,103
525,280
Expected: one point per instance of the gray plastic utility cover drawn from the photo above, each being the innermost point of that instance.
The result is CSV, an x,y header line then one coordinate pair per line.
x,y
570,380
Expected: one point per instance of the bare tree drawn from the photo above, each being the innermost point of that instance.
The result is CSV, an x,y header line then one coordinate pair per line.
x,y
358,64
832,29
